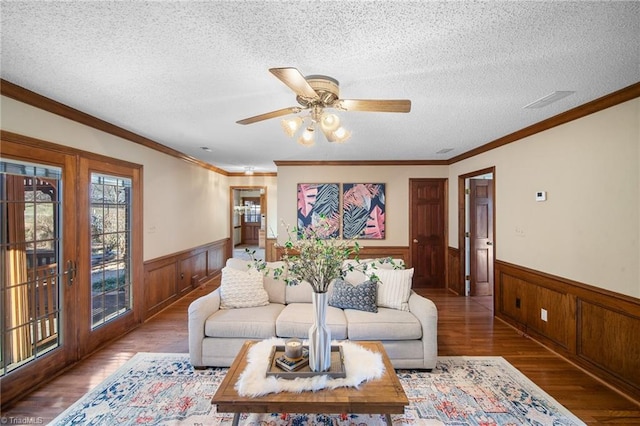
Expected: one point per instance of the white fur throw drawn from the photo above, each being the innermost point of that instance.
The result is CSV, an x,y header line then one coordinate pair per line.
x,y
360,365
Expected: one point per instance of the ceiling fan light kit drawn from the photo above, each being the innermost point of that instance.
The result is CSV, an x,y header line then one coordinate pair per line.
x,y
329,123
316,93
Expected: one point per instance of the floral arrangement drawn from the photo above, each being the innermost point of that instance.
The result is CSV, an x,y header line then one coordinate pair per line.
x,y
318,260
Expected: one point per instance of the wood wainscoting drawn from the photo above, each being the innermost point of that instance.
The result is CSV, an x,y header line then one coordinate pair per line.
x,y
274,252
395,252
599,330
455,280
170,277
271,250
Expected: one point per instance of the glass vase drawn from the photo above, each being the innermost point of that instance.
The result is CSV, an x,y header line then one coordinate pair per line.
x,y
320,335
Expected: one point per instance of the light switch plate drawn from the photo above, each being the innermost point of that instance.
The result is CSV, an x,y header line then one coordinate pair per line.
x,y
541,196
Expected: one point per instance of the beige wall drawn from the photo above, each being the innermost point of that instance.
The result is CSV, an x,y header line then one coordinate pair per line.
x,y
395,178
181,201
588,230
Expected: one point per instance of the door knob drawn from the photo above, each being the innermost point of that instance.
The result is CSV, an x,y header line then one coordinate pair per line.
x,y
489,243
415,240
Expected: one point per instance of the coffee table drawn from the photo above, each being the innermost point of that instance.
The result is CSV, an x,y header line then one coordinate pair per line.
x,y
381,396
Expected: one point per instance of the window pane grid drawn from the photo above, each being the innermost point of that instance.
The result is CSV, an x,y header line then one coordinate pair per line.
x,y
110,236
29,252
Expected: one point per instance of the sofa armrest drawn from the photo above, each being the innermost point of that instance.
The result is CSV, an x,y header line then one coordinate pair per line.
x,y
427,313
199,310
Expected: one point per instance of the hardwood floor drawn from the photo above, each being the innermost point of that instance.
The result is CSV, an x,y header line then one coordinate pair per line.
x,y
466,327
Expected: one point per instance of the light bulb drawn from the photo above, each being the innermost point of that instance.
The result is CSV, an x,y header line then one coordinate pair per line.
x,y
307,138
341,135
291,125
329,122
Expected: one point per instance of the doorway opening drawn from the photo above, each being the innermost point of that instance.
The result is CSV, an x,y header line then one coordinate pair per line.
x,y
248,221
476,234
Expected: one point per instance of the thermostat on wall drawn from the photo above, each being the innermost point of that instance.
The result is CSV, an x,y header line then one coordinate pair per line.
x,y
541,196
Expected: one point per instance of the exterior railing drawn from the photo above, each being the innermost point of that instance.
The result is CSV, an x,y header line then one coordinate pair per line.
x,y
44,305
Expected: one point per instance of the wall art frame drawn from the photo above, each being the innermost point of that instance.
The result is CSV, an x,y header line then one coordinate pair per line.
x,y
319,203
363,211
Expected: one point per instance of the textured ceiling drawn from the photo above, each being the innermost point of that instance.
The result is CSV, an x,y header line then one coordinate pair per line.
x,y
182,73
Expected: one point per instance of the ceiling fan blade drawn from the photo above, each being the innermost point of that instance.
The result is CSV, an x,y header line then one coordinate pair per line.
x,y
375,105
296,82
268,115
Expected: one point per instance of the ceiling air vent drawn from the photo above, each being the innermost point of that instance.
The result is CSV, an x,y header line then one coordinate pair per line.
x,y
549,99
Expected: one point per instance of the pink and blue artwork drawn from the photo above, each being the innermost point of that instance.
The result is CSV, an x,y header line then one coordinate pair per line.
x,y
363,211
319,209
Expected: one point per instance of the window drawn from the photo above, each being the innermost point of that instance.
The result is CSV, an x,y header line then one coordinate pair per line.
x,y
251,211
110,210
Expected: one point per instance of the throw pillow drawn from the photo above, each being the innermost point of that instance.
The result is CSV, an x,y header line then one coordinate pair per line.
x,y
362,297
242,289
394,288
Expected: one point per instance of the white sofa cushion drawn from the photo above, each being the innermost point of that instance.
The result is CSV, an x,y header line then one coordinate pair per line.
x,y
394,288
386,324
373,265
299,293
242,289
275,287
248,323
296,319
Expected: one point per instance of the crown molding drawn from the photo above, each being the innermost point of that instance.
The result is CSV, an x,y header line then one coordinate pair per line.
x,y
258,174
623,95
363,163
26,96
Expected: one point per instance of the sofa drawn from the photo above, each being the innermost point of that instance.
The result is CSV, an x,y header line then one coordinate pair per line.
x,y
262,307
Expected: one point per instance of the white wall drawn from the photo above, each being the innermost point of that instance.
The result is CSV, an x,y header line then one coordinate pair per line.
x,y
181,201
588,230
396,179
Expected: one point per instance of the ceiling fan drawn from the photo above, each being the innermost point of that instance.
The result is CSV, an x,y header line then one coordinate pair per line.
x,y
316,93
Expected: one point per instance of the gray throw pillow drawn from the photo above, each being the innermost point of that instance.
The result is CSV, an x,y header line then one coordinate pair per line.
x,y
362,297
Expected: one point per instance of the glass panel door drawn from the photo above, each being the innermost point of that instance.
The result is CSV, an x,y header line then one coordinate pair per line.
x,y
38,249
30,258
110,246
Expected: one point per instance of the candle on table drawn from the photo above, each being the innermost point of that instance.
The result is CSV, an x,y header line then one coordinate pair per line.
x,y
293,348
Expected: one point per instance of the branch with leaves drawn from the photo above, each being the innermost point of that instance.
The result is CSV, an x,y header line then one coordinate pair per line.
x,y
318,260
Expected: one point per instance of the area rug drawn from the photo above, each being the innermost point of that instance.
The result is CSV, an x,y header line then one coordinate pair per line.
x,y
164,389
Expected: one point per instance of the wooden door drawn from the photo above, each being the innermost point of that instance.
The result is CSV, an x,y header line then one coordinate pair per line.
x,y
251,221
427,231
111,291
481,237
39,247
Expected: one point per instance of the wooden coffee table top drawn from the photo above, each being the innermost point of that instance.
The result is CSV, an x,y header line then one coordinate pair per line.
x,y
380,396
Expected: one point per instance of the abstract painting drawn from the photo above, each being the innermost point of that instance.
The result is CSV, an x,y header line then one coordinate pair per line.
x,y
319,209
363,211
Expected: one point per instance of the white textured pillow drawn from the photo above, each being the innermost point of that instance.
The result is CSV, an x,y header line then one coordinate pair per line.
x,y
242,289
394,288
